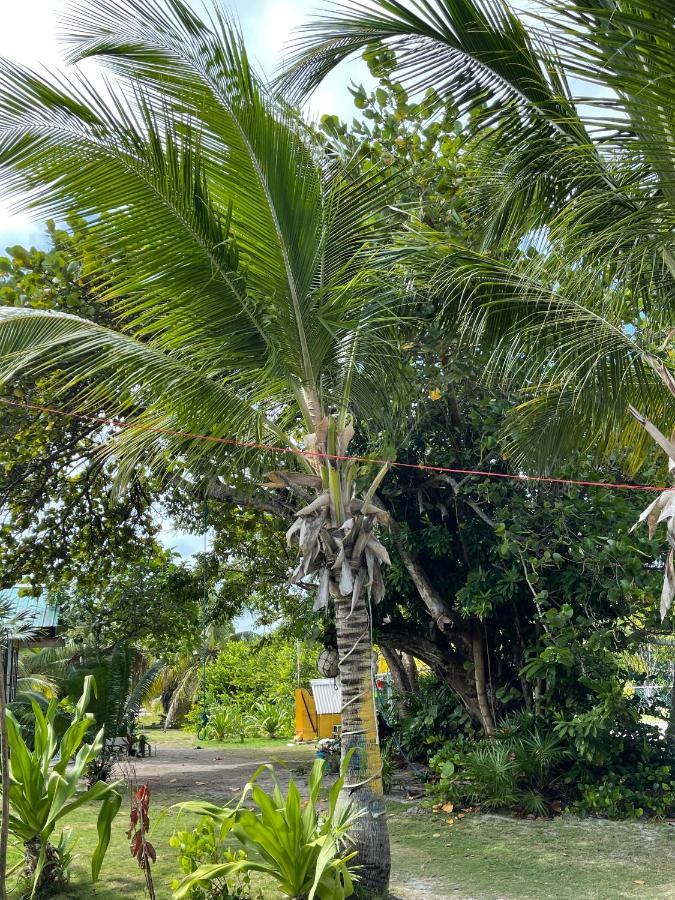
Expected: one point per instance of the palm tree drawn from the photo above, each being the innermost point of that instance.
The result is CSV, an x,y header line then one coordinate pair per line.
x,y
231,251
180,682
569,117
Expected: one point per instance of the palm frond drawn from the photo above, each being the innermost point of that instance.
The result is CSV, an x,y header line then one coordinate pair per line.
x,y
579,349
230,245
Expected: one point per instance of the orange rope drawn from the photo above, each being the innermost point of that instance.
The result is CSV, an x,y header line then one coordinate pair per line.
x,y
315,454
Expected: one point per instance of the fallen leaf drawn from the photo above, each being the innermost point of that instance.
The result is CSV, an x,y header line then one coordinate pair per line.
x,y
437,834
638,881
200,783
461,815
448,807
172,780
449,821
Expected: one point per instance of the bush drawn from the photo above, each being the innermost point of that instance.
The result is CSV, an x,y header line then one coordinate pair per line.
x,y
518,771
533,768
200,847
434,716
244,718
291,842
636,777
272,719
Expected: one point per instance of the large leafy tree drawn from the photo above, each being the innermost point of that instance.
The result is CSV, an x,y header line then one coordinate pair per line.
x,y
575,122
232,263
61,519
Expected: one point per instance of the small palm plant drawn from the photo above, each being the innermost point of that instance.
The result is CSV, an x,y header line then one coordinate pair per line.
x,y
304,851
271,718
43,792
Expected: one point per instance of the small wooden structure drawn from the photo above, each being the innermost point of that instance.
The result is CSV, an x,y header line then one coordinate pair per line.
x,y
317,711
42,619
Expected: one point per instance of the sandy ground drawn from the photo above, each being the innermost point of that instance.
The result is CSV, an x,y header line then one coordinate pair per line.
x,y
179,769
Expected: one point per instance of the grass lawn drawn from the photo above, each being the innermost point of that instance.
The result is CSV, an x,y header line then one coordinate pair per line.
x,y
496,857
477,858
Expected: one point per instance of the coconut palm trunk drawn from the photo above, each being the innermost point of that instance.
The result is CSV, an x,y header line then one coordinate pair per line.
x,y
363,777
337,541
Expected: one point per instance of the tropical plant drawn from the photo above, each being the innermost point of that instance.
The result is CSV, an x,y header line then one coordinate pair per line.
x,y
13,626
123,683
233,258
139,826
226,721
301,849
577,170
43,792
201,846
519,768
271,718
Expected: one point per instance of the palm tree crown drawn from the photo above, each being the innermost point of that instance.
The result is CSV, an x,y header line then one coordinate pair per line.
x,y
231,245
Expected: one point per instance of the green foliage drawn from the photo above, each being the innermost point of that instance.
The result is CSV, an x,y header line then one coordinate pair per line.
x,y
250,686
536,768
124,682
633,777
300,849
514,771
273,718
434,715
201,846
43,793
155,602
47,462
572,283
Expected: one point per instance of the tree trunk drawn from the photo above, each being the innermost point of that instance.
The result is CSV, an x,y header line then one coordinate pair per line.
x,y
670,730
410,666
479,675
363,776
447,664
51,876
400,680
4,763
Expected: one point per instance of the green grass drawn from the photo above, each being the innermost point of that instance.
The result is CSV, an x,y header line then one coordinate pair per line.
x,y
482,857
185,738
490,857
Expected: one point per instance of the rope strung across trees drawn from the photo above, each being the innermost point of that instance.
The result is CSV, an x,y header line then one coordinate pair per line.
x,y
315,454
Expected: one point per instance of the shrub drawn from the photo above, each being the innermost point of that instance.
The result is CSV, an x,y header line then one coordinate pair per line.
x,y
200,847
519,769
302,850
272,719
434,716
532,768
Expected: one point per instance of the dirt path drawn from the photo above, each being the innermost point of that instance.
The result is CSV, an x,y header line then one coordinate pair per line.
x,y
180,769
